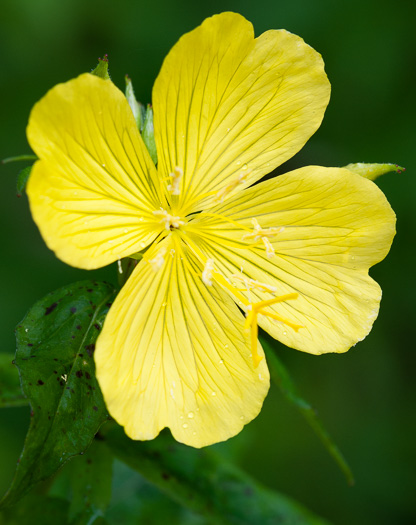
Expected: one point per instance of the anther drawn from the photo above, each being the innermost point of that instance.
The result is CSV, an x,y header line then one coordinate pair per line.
x,y
169,221
261,234
176,177
252,283
158,261
242,177
207,273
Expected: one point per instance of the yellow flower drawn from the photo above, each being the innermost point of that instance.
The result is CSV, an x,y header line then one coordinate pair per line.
x,y
291,252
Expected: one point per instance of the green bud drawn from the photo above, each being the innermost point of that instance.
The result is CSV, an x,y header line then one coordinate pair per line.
x,y
101,69
373,171
137,108
148,133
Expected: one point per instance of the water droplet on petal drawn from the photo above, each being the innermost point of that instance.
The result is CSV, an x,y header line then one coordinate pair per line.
x,y
238,162
244,167
221,361
241,417
284,333
185,425
190,415
213,393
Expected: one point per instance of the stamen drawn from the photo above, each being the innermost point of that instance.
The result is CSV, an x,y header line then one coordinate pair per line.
x,y
252,283
158,261
242,177
261,234
269,248
207,273
170,221
176,177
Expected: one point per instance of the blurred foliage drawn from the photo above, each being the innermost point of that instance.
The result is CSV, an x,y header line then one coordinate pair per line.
x,y
366,397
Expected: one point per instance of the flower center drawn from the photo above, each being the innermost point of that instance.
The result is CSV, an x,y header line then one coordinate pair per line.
x,y
170,222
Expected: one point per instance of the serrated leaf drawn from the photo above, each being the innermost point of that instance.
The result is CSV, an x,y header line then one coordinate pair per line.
x,y
55,345
282,379
91,478
206,483
11,394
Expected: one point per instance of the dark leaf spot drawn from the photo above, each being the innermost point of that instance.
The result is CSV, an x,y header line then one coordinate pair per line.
x,y
78,327
40,382
87,375
73,309
90,349
97,326
29,344
95,408
51,308
165,475
78,373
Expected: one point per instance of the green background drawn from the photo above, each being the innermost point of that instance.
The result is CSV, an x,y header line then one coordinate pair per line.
x,y
365,397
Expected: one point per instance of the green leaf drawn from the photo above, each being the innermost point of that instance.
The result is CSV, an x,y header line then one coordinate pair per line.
x,y
91,478
282,379
36,510
22,178
138,109
101,69
206,483
148,133
373,171
55,345
11,394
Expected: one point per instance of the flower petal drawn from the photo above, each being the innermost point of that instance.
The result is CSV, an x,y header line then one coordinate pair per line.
x,y
94,188
335,226
227,104
173,353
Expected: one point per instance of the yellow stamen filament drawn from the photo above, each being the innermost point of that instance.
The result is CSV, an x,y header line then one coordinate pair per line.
x,y
242,177
175,177
158,261
207,273
169,221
